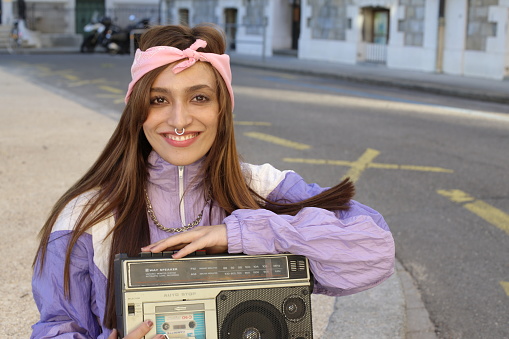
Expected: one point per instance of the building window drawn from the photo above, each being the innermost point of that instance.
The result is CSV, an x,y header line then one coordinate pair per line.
x,y
413,24
479,29
329,20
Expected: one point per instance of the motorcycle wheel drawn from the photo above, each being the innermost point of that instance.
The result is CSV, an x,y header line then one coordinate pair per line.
x,y
88,45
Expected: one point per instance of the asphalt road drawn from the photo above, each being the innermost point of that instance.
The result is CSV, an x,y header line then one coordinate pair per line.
x,y
436,168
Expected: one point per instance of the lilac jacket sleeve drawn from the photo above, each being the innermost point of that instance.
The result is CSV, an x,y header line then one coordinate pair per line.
x,y
59,316
80,315
348,251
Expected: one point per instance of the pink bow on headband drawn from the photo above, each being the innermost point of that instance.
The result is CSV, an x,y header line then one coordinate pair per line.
x,y
154,57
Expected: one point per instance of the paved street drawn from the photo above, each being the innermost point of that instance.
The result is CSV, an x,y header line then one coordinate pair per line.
x,y
433,166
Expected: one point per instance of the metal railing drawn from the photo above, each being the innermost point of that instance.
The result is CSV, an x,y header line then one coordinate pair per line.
x,y
376,53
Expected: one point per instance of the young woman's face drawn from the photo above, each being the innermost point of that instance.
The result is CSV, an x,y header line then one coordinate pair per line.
x,y
184,100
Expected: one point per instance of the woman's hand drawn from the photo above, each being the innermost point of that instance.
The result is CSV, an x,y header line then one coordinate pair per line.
x,y
139,332
211,238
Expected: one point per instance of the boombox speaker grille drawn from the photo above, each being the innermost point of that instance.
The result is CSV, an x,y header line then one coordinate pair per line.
x,y
273,313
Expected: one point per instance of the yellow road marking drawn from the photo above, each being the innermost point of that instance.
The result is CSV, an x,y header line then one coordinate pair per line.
x,y
318,161
70,77
87,82
278,141
111,89
252,123
483,210
364,162
505,286
357,167
44,69
117,99
410,168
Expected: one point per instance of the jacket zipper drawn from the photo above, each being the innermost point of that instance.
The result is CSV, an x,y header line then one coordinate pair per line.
x,y
181,195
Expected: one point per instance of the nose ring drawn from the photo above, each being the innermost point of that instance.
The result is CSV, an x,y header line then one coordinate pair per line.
x,y
177,131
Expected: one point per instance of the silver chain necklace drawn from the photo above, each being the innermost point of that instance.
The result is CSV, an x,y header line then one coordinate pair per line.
x,y
152,215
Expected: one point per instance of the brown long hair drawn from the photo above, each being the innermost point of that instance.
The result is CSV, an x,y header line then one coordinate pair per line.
x,y
119,175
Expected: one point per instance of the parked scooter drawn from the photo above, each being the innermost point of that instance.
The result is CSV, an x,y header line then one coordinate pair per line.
x,y
119,42
96,35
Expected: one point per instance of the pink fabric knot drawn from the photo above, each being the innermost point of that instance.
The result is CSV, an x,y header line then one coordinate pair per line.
x,y
192,55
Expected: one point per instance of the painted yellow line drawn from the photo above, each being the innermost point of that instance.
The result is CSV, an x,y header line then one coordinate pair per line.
x,y
86,82
410,168
364,162
117,99
252,123
505,286
318,161
111,89
276,140
357,167
480,208
44,69
70,77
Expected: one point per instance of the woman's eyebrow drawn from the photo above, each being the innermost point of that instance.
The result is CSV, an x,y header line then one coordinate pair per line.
x,y
159,90
190,89
198,87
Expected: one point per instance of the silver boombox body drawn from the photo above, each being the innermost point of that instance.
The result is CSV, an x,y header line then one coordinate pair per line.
x,y
215,296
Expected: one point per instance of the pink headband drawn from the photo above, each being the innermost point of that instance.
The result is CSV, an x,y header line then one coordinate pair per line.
x,y
155,57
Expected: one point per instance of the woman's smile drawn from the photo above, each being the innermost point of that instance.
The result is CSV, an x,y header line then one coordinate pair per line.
x,y
181,140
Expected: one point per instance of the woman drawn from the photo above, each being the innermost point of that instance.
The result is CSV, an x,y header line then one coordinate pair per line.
x,y
170,177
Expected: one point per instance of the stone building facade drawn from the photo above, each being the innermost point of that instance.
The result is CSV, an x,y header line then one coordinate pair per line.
x,y
462,37
465,37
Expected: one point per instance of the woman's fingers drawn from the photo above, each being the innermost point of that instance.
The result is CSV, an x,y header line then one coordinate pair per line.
x,y
202,237
176,241
139,332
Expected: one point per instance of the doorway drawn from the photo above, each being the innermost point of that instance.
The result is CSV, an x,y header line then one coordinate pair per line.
x,y
230,20
88,11
375,34
295,24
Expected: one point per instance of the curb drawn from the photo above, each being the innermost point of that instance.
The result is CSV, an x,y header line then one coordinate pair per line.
x,y
383,81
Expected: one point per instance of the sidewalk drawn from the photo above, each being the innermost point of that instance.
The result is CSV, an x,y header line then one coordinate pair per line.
x,y
375,74
41,131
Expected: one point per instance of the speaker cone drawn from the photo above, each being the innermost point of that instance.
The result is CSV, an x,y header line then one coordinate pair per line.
x,y
254,319
294,308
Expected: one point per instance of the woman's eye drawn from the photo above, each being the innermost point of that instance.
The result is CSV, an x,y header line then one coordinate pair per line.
x,y
158,100
200,98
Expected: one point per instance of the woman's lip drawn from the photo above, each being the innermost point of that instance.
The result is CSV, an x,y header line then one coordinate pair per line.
x,y
181,140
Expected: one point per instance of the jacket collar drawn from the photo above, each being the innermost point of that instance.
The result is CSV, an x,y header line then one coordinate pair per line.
x,y
166,175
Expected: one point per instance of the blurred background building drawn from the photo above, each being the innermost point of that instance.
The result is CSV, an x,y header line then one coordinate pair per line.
x,y
461,37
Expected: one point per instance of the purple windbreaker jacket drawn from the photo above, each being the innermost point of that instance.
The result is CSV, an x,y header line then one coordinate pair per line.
x,y
348,251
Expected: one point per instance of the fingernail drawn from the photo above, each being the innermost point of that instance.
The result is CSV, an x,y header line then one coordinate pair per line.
x,y
149,323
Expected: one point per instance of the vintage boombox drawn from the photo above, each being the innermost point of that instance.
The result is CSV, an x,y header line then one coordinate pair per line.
x,y
215,296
